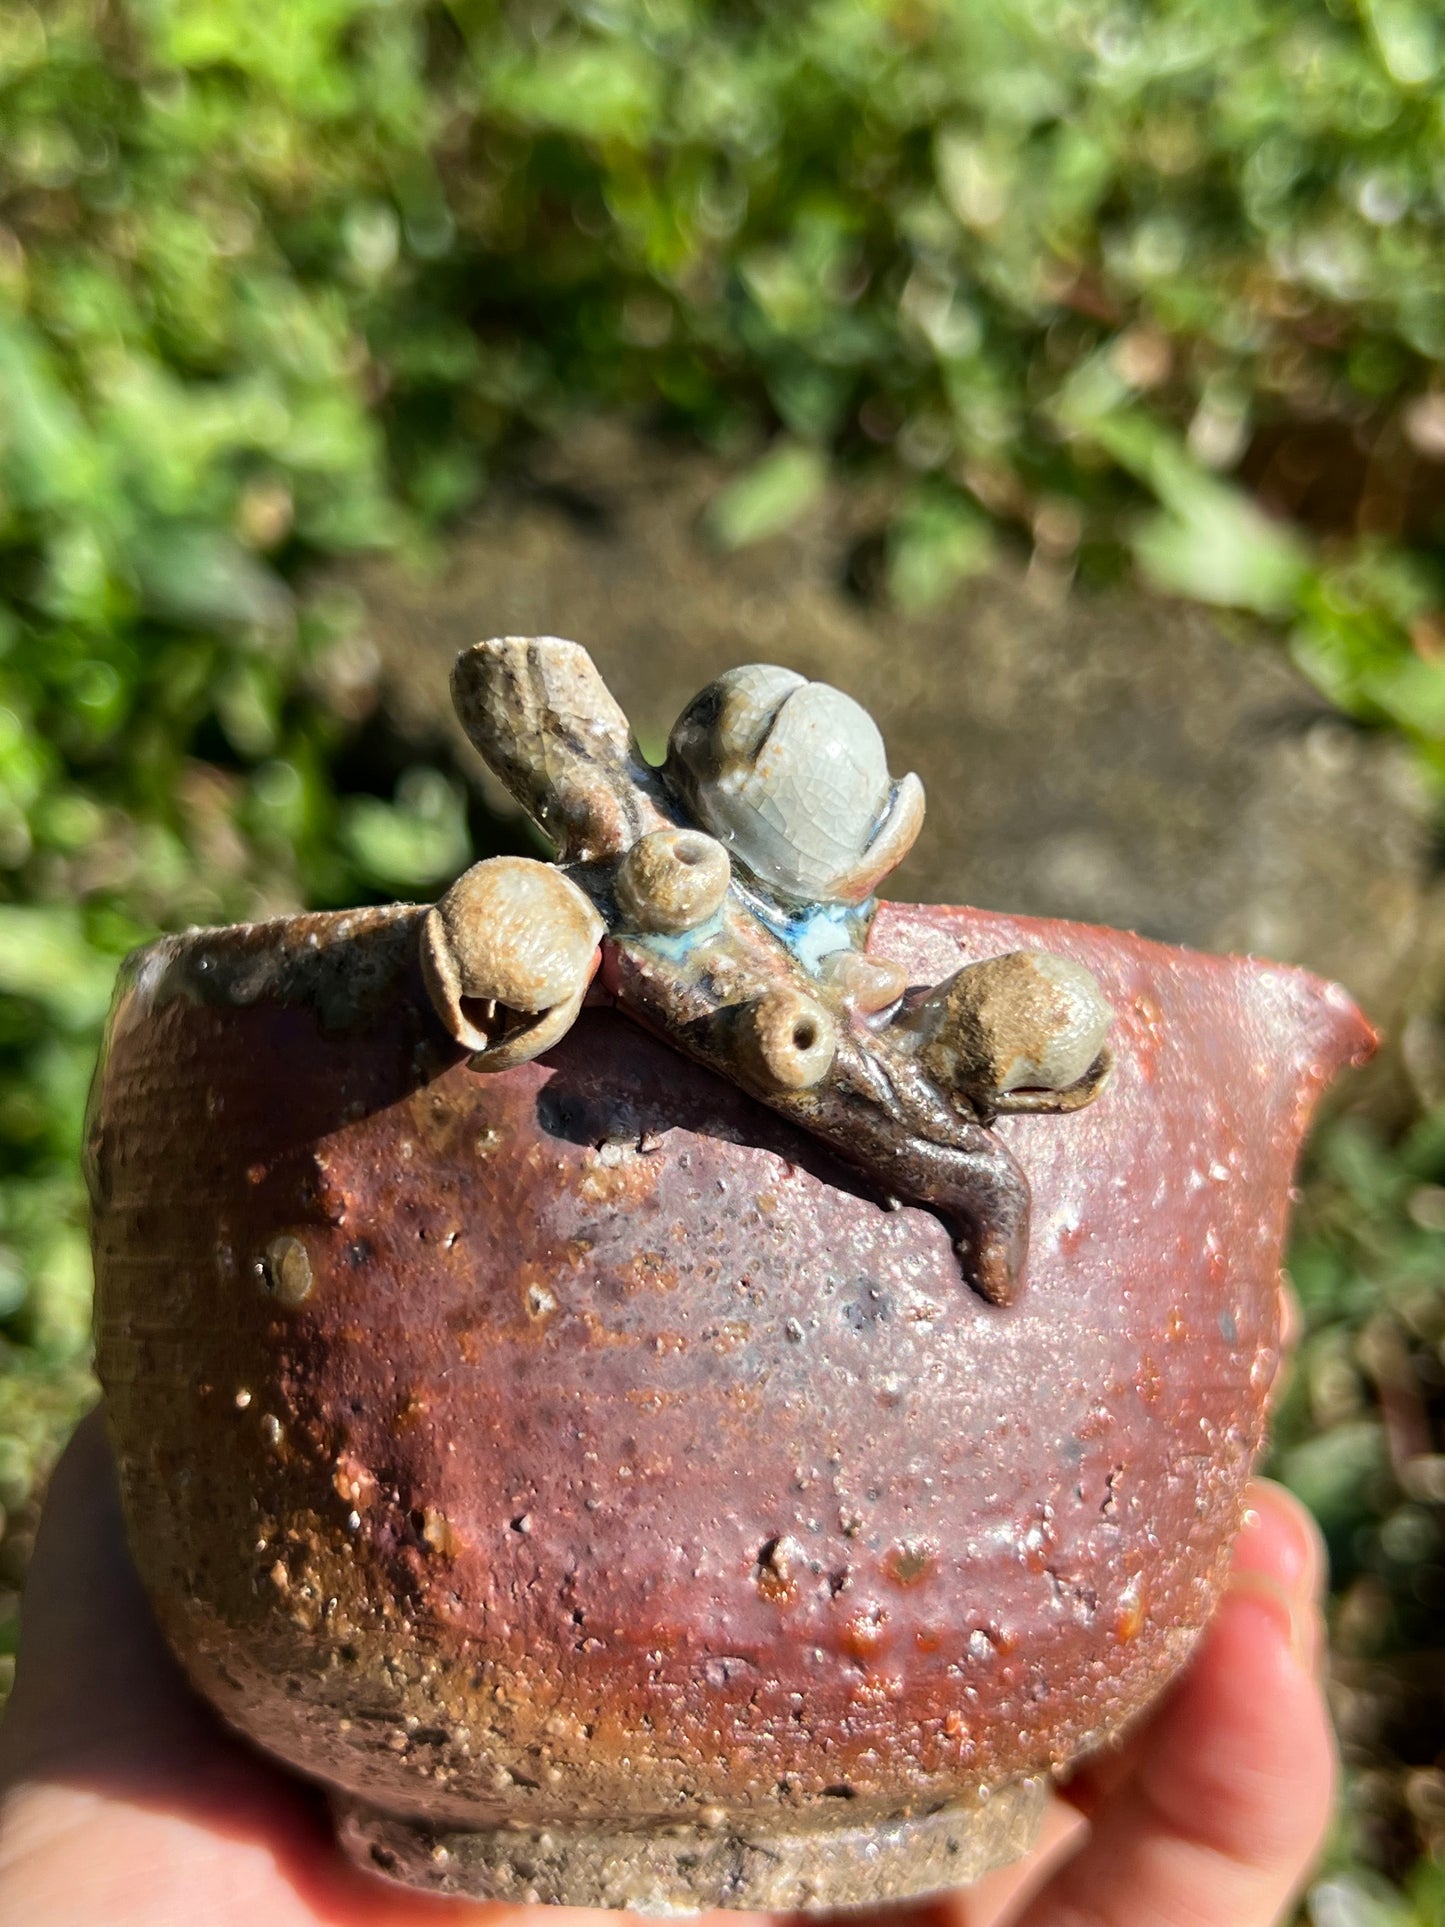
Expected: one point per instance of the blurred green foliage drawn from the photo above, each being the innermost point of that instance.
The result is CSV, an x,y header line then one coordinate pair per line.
x,y
1360,1436
1126,286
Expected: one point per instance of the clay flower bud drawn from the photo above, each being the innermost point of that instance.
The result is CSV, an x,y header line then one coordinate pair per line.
x,y
864,984
1026,1021
672,880
507,956
792,776
789,1040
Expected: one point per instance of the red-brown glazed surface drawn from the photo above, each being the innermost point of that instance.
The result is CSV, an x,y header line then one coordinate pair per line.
x,y
600,1447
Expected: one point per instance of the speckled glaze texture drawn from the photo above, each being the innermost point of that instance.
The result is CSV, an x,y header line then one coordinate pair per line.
x,y
624,1462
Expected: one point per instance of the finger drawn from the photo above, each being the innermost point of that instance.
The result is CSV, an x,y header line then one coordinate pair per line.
x,y
1229,1786
994,1899
92,1671
1280,1541
1291,1316
1290,1324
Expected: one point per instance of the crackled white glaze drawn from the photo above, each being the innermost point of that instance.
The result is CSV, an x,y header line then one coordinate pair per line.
x,y
792,777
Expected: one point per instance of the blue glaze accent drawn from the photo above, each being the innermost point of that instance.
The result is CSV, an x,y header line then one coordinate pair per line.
x,y
677,949
816,930
811,932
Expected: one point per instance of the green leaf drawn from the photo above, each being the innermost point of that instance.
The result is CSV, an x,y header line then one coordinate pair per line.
x,y
44,955
767,498
190,573
937,542
1213,544
1333,1473
1207,540
417,842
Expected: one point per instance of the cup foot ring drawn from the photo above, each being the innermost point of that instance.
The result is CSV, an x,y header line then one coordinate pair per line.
x,y
688,1869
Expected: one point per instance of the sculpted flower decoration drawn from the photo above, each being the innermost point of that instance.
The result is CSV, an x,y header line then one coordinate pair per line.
x,y
726,900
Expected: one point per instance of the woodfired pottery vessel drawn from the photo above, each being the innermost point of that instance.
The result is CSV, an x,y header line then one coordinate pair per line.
x,y
603,1489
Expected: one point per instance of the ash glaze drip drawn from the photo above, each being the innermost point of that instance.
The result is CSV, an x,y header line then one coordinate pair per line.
x,y
732,892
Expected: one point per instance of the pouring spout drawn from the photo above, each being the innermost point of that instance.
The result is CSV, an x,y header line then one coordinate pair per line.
x,y
1310,1028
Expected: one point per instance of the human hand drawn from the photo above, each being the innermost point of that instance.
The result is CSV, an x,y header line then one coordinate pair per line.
x,y
124,1802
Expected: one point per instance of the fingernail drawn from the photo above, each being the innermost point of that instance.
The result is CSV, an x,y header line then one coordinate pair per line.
x,y
1280,1541
1293,1618
1291,1318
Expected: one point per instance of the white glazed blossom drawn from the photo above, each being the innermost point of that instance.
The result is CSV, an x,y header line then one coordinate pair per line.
x,y
791,776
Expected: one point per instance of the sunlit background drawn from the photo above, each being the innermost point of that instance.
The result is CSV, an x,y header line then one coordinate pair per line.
x,y
1080,311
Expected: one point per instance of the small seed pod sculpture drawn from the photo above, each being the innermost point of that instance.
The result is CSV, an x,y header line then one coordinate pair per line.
x,y
735,890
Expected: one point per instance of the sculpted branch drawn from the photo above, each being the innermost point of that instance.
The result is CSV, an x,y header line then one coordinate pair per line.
x,y
725,900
